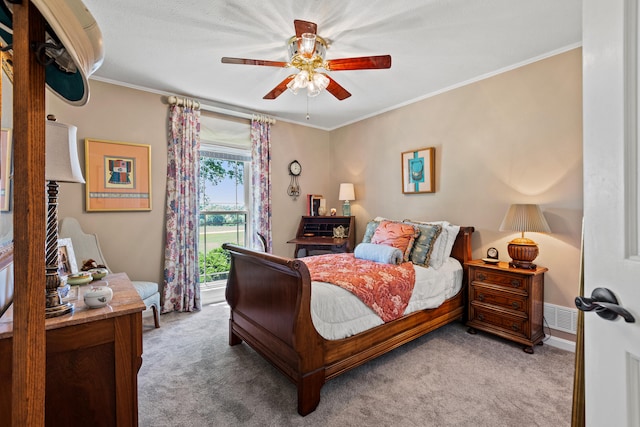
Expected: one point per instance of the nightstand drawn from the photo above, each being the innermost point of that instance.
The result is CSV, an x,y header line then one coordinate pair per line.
x,y
507,302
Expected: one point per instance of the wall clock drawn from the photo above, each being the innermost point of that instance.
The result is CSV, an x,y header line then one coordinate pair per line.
x,y
295,169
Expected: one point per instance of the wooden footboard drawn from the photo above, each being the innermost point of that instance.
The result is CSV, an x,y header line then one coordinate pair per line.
x,y
270,299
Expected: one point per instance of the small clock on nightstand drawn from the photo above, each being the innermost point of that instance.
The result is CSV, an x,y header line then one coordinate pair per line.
x,y
492,256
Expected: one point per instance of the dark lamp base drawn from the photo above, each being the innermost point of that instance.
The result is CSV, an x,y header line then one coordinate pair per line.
x,y
522,264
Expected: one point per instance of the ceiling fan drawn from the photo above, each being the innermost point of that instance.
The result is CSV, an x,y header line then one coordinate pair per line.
x,y
306,53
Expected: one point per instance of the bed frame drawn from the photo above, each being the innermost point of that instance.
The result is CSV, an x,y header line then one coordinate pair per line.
x,y
270,297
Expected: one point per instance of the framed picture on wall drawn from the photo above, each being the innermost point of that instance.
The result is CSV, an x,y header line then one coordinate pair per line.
x,y
5,169
418,171
118,176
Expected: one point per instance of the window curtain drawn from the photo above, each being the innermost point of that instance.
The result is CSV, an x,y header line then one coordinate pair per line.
x,y
261,181
181,273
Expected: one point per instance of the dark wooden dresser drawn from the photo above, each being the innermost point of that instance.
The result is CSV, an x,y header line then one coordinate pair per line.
x,y
315,235
508,302
92,362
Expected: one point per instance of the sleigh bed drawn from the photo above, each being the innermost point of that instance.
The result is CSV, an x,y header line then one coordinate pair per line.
x,y
270,300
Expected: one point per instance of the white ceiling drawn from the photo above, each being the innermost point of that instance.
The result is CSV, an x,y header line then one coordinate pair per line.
x,y
175,47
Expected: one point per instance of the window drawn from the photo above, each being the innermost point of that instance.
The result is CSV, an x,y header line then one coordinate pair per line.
x,y
224,203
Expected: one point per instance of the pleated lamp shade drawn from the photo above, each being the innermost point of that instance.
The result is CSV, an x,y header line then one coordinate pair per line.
x,y
524,217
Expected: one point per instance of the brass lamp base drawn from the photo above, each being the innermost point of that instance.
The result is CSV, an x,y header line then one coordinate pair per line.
x,y
522,252
54,305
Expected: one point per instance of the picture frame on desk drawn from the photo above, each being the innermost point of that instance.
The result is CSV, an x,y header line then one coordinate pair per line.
x,y
66,258
316,205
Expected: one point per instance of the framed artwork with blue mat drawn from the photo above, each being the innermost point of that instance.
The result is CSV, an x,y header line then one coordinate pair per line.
x,y
418,171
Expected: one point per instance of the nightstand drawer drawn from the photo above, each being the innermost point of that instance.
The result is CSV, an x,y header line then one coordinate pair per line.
x,y
501,279
513,325
510,300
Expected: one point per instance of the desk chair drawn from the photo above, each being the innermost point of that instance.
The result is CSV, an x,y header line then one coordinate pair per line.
x,y
86,246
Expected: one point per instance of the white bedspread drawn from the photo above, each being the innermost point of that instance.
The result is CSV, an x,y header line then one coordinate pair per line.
x,y
337,313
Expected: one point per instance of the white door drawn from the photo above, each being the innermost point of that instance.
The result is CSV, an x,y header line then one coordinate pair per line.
x,y
611,208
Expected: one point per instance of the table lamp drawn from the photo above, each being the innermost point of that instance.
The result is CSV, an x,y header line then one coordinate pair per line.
x,y
524,217
62,165
346,193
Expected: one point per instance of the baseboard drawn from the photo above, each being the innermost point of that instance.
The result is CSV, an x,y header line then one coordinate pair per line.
x,y
561,343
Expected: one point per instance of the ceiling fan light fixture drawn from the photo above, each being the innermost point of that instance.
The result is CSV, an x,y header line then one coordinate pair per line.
x,y
307,44
317,84
300,81
306,54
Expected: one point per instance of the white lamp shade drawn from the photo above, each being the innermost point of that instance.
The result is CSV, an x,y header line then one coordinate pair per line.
x,y
525,217
346,192
62,162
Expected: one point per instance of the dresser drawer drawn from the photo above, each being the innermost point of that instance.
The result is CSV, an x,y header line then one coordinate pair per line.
x,y
512,325
488,295
501,279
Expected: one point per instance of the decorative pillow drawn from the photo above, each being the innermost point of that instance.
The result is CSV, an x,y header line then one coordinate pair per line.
x,y
444,242
368,232
378,253
397,234
424,244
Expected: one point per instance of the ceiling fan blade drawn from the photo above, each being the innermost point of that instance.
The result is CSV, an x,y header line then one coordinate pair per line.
x,y
304,27
361,63
335,89
280,89
227,60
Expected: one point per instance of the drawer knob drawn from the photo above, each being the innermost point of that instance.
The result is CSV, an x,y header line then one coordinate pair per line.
x,y
480,297
481,276
480,317
515,305
515,327
515,283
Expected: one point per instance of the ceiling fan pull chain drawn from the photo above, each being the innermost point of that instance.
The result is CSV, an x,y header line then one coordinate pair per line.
x,y
308,117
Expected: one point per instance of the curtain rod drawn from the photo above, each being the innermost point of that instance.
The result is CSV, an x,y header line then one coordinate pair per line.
x,y
173,100
264,119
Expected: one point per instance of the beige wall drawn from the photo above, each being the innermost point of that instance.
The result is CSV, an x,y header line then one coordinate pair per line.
x,y
311,148
512,138
130,241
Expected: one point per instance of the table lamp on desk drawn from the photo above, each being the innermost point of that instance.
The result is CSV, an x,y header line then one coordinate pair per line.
x,y
346,193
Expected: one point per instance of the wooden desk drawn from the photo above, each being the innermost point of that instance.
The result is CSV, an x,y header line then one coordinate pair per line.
x,y
93,358
322,240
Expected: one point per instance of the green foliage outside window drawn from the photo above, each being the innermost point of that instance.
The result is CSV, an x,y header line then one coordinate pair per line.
x,y
215,265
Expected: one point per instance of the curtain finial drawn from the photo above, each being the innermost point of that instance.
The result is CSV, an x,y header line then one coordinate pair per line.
x,y
189,103
263,119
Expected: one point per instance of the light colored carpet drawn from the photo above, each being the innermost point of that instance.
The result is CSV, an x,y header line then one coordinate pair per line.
x,y
190,376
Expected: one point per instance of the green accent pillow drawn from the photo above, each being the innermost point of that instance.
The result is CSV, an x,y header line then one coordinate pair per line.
x,y
423,245
368,232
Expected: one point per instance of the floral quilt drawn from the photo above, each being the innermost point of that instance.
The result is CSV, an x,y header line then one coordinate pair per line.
x,y
385,288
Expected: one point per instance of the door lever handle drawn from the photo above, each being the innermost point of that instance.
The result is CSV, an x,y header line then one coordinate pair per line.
x,y
605,304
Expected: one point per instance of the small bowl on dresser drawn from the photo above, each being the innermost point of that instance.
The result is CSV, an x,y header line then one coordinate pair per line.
x,y
98,273
80,278
97,296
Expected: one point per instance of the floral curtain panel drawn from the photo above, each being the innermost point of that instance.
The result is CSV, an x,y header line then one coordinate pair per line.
x,y
261,181
181,274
